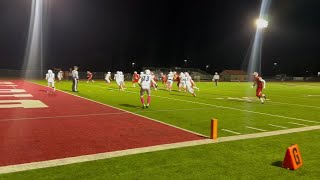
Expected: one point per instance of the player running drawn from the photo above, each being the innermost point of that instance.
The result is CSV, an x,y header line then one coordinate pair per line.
x,y
163,79
188,83
194,86
135,78
176,77
50,78
118,79
108,77
60,75
89,76
145,83
170,81
261,84
182,83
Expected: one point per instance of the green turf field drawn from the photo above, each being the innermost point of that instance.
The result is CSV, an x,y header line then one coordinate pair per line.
x,y
290,105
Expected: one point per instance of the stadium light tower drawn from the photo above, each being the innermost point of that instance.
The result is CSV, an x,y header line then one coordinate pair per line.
x,y
256,47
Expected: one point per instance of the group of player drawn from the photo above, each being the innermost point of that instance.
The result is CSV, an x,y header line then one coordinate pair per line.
x,y
148,79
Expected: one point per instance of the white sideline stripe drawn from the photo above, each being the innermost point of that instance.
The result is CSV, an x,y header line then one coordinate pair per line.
x,y
297,124
97,114
278,126
93,157
230,131
225,107
127,111
255,128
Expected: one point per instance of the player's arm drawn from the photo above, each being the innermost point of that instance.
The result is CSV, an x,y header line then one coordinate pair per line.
x,y
154,82
254,84
139,82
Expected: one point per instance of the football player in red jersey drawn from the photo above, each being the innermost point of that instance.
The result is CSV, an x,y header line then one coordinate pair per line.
x,y
135,78
89,76
261,84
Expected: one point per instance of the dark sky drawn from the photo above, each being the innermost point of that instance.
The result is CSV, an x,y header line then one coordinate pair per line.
x,y
108,34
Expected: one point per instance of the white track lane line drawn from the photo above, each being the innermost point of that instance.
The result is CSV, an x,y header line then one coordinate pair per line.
x,y
100,156
278,126
255,128
297,124
233,132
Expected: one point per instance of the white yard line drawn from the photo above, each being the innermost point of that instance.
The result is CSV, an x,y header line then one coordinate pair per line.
x,y
230,131
255,128
297,124
126,111
93,157
277,126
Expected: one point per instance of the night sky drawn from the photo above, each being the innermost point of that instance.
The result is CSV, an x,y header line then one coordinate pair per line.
x,y
103,35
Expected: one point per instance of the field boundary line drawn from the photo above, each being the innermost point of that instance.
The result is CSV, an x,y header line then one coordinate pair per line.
x,y
107,155
186,130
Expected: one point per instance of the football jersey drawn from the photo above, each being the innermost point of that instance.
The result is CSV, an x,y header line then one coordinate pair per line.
x,y
258,82
170,77
146,81
50,77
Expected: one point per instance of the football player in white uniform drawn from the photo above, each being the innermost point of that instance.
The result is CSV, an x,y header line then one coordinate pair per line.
x,y
50,78
170,81
189,84
118,79
108,77
145,83
60,75
182,83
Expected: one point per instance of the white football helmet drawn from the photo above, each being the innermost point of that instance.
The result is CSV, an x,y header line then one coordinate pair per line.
x,y
148,72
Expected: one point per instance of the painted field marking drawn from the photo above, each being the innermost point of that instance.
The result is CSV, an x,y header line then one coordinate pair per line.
x,y
100,156
297,124
255,128
6,85
224,107
16,95
230,131
186,130
314,95
277,126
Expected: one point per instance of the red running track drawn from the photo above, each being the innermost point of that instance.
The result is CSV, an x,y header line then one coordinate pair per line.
x,y
68,128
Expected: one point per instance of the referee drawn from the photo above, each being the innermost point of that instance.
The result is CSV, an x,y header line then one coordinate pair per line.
x,y
75,79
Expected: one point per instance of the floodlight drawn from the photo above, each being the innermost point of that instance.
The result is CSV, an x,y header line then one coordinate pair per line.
x,y
261,23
